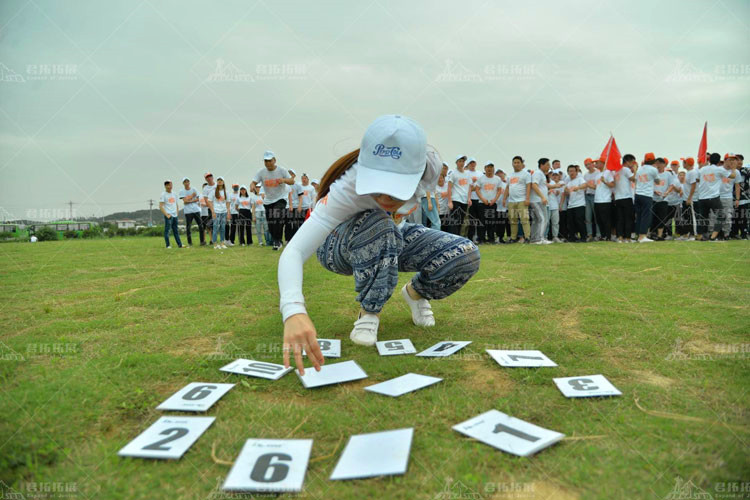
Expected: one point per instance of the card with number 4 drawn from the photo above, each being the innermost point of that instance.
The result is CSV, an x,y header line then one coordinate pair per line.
x,y
167,438
508,434
260,369
520,359
330,348
586,387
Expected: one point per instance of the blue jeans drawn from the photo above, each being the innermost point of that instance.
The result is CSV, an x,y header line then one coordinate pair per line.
x,y
371,247
430,215
642,213
171,222
220,224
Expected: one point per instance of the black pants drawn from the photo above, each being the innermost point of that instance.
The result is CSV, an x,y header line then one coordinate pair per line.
x,y
456,218
563,231
643,213
475,220
487,222
576,219
659,215
502,226
208,222
231,229
603,217
294,220
742,217
245,226
671,216
624,209
276,215
684,220
708,206
189,218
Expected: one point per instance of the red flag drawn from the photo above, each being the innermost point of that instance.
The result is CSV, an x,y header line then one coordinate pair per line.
x,y
611,156
703,147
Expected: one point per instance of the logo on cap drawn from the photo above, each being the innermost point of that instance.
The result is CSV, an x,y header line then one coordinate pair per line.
x,y
383,151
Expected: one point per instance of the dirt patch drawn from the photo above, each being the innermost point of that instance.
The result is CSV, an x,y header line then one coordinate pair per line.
x,y
487,381
570,326
200,345
547,490
652,378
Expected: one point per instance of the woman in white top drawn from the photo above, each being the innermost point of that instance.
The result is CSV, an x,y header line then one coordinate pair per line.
x,y
358,228
218,202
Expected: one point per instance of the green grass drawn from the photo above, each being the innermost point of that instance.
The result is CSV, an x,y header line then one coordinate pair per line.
x,y
137,322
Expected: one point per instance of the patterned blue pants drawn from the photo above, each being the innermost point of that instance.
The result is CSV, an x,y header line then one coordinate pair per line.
x,y
371,247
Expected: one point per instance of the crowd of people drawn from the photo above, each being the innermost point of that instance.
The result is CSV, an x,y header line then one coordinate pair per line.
x,y
655,200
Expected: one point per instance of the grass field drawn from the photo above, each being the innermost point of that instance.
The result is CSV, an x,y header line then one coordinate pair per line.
x,y
97,333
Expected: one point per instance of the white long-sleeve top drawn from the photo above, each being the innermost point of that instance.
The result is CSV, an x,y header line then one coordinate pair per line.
x,y
340,204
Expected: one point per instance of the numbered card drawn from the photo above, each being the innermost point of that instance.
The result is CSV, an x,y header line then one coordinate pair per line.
x,y
586,387
393,347
508,434
442,349
331,348
196,396
377,454
520,359
168,437
270,465
334,373
260,369
403,384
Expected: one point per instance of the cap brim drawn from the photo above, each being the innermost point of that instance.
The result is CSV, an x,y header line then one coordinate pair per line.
x,y
399,186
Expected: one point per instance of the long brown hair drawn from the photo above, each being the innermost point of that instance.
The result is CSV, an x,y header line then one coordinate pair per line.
x,y
223,188
335,171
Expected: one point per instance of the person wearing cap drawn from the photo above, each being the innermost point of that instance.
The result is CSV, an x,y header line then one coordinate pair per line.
x,y
218,202
623,194
590,177
575,194
729,190
244,217
710,183
308,196
645,176
192,210
538,201
168,207
234,211
488,192
358,228
275,180
459,181
208,218
516,198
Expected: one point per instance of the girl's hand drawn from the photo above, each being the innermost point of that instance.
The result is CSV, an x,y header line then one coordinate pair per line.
x,y
299,333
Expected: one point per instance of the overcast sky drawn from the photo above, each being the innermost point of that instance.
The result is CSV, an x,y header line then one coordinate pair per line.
x,y
100,101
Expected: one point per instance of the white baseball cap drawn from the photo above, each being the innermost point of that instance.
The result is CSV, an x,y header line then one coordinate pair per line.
x,y
460,156
392,157
471,159
291,171
185,179
315,181
268,155
489,163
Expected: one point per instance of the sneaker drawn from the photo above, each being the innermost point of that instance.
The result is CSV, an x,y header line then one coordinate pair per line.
x,y
203,243
646,240
229,244
619,241
556,240
275,247
365,330
421,311
223,246
216,247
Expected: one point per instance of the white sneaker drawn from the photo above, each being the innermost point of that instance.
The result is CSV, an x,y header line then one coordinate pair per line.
x,y
421,311
223,246
546,242
216,247
692,238
169,248
619,241
646,240
229,244
365,330
557,240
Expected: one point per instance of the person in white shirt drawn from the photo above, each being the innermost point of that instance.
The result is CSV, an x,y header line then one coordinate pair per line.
x,y
274,180
659,208
218,202
441,194
459,182
488,192
168,207
538,201
516,198
244,216
590,178
623,194
474,218
230,233
575,194
502,226
553,204
192,210
259,217
688,206
710,188
430,205
605,183
208,216
645,176
729,187
295,217
673,197
358,228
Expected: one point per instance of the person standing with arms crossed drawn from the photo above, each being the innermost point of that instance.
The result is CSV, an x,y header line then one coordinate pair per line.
x,y
192,210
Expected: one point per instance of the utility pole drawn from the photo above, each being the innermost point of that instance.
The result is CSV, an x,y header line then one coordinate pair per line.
x,y
150,209
70,204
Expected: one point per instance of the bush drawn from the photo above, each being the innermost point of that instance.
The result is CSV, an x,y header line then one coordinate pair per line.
x,y
152,231
46,233
92,232
68,235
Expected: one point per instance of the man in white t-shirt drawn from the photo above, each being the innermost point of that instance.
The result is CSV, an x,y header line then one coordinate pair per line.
x,y
192,210
168,207
689,208
645,177
459,182
293,216
474,218
623,194
487,190
590,177
517,199
274,180
208,216
605,184
711,177
538,202
575,194
730,189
